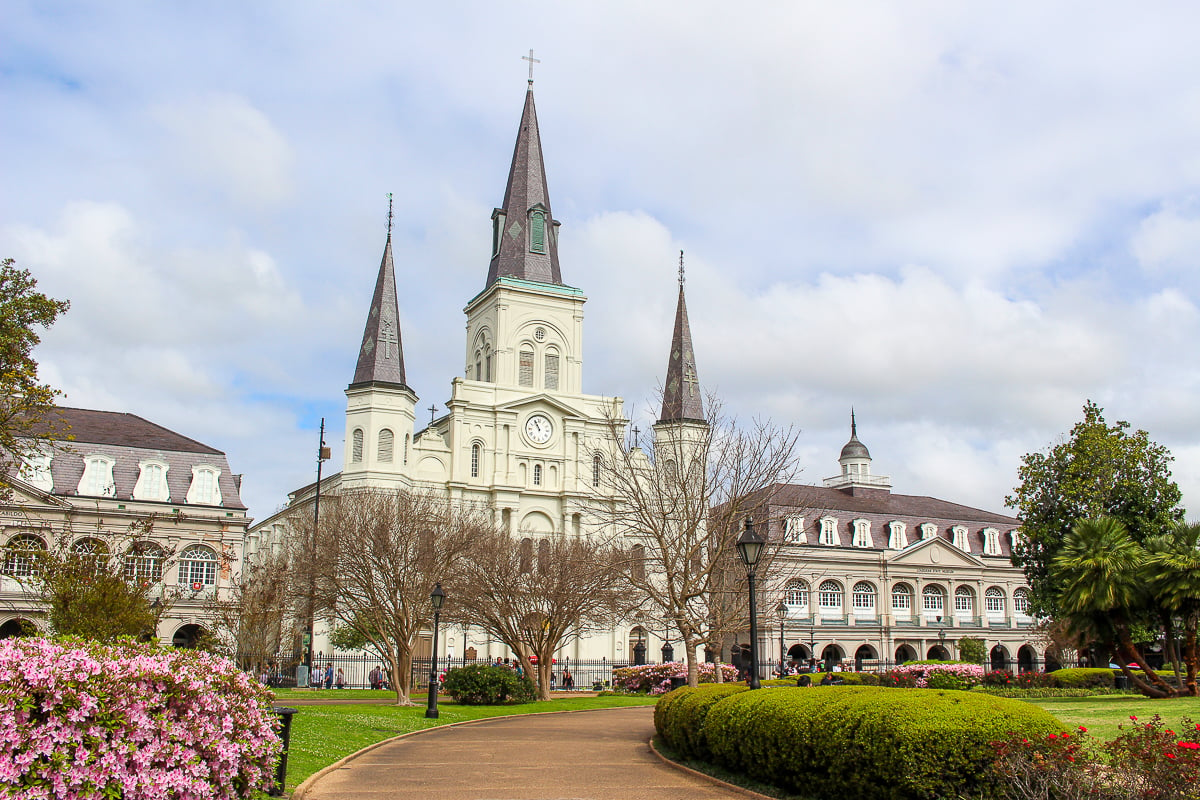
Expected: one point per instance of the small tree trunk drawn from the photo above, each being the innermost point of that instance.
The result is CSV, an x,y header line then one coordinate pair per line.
x,y
401,666
545,666
1126,653
693,678
1190,656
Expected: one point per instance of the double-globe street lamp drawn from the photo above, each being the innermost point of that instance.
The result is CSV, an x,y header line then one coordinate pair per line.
x,y
437,598
781,613
750,547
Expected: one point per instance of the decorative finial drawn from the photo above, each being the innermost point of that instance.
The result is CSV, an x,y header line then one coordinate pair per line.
x,y
853,426
432,414
680,269
531,61
389,215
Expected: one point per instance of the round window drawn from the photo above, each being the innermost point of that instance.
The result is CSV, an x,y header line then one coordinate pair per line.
x,y
540,334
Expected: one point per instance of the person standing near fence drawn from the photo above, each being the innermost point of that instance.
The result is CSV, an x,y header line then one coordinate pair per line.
x,y
340,681
328,676
376,677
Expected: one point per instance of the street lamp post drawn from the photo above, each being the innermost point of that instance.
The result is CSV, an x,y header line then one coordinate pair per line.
x,y
750,547
812,642
781,613
436,599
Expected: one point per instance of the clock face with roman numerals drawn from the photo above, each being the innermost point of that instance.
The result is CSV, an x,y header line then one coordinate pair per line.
x,y
539,428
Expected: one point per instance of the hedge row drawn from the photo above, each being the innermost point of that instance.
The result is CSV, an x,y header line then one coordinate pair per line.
x,y
852,741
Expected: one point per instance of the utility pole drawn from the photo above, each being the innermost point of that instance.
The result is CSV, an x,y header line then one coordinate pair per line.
x,y
323,455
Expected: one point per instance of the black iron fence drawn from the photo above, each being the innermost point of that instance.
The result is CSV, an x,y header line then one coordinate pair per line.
x,y
353,671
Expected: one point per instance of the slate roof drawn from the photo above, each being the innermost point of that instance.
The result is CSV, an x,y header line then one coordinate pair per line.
x,y
381,355
129,439
682,398
526,188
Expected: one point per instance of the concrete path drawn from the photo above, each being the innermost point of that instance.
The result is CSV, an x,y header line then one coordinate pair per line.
x,y
592,755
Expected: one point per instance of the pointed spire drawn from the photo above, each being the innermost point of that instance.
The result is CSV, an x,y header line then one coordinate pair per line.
x,y
381,356
682,399
524,231
854,448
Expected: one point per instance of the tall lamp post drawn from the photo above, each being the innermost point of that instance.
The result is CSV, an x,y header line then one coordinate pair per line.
x,y
437,598
781,614
750,547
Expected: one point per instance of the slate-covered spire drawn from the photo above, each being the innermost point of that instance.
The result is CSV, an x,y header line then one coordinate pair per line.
x,y
381,357
524,232
854,448
682,399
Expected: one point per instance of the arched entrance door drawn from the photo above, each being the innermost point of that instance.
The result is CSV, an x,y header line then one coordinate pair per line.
x,y
637,645
1026,659
999,657
863,653
799,653
905,653
1052,662
739,657
832,655
187,636
938,653
17,627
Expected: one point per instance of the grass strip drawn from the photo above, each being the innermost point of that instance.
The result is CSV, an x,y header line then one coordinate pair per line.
x,y
1102,714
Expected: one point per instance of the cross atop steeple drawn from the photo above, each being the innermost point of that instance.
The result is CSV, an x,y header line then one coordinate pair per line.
x,y
680,269
389,215
531,61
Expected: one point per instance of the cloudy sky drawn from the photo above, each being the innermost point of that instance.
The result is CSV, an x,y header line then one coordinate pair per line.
x,y
963,219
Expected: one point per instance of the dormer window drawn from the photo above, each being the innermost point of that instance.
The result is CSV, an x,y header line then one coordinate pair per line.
x,y
928,531
960,538
793,529
97,480
36,472
862,533
898,540
829,533
991,542
152,482
537,231
205,490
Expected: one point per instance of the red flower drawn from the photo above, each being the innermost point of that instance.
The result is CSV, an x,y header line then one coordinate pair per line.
x,y
1170,755
1052,737
1189,745
1082,729
1132,717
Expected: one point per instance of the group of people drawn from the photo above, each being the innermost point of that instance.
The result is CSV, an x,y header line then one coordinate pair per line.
x,y
326,678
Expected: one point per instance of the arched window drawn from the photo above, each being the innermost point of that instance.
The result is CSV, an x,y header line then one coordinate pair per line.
x,y
356,446
829,534
205,489
198,567
1021,602
152,482
97,480
928,530
964,601
406,438
537,474
474,461
597,464
793,529
899,536
487,364
637,562
144,563
862,533
934,599
526,555
991,542
21,555
36,471
386,443
90,553
829,596
796,595
863,598
478,365
551,376
960,538
544,557
902,595
993,601
525,368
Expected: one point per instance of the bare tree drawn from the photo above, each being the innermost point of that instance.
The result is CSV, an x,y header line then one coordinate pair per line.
x,y
378,555
678,506
251,618
538,595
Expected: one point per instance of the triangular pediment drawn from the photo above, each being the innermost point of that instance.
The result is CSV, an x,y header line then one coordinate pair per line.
x,y
544,402
934,553
24,496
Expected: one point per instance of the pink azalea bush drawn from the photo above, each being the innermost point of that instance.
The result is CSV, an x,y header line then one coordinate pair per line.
x,y
935,676
82,719
656,678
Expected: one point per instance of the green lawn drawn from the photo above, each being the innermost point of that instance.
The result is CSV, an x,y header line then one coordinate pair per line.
x,y
322,734
1102,714
282,696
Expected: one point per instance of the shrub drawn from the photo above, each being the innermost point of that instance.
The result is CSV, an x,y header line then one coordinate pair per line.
x,y
82,719
679,716
859,741
937,675
1083,678
485,685
656,678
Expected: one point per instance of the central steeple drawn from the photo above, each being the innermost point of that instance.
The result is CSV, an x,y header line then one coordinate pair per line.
x,y
524,231
682,400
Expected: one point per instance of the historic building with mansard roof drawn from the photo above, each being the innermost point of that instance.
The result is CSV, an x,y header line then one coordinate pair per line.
x,y
864,575
117,469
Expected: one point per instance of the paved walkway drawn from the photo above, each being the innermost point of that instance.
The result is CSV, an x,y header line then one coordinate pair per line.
x,y
587,755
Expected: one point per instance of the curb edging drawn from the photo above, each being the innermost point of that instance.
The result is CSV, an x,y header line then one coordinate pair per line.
x,y
698,774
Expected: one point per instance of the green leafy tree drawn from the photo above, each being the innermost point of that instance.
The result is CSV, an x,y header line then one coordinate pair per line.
x,y
1173,572
27,416
1100,470
972,649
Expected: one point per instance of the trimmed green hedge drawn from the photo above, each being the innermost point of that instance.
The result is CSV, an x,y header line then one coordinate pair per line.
x,y
679,716
1084,678
861,741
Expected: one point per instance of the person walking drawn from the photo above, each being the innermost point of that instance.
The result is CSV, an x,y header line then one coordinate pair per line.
x,y
329,676
340,681
376,677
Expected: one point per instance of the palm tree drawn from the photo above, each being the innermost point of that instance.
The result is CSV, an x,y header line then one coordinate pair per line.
x,y
1173,571
1100,570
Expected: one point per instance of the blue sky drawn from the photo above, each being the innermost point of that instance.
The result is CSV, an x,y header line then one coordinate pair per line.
x,y
962,219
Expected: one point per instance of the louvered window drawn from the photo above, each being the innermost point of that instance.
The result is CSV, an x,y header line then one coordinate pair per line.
x,y
551,370
356,447
385,446
525,374
537,232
